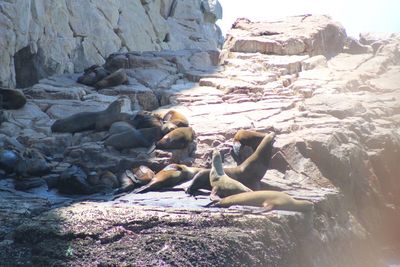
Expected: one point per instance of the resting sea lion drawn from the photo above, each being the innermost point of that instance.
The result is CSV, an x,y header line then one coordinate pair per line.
x,y
270,200
176,118
223,185
108,179
11,99
242,139
177,139
143,175
168,127
170,176
144,119
84,121
116,78
249,173
130,138
119,127
92,75
130,180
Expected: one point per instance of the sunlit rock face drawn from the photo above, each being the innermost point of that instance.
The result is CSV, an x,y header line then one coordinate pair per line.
x,y
336,119
40,38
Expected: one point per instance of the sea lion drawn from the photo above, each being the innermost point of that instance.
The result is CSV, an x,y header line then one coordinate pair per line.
x,y
170,176
116,78
130,138
90,120
243,139
108,179
223,185
119,127
143,175
249,173
176,118
152,134
168,127
270,200
131,179
176,139
92,75
144,119
11,98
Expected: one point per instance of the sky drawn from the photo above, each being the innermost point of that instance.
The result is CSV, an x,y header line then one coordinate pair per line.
x,y
355,15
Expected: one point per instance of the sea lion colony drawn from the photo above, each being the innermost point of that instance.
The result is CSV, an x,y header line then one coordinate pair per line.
x,y
229,186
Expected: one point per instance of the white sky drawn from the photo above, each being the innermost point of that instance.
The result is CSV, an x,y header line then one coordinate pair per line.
x,y
355,15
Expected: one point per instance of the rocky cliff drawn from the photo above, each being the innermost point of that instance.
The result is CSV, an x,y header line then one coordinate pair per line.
x,y
333,103
40,38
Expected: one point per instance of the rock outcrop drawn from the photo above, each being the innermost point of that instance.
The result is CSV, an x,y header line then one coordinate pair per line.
x,y
40,38
336,119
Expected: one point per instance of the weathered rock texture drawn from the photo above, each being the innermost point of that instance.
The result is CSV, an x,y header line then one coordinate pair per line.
x,y
337,118
39,38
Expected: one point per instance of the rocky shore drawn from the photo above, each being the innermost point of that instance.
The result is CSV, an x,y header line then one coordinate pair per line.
x,y
333,102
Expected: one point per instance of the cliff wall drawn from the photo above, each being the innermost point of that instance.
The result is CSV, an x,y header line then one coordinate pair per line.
x,y
39,38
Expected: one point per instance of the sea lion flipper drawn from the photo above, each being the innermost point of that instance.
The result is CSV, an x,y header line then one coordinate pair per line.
x,y
211,204
200,180
214,194
122,191
267,206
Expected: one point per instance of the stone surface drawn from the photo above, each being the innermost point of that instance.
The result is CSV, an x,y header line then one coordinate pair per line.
x,y
310,35
336,117
40,38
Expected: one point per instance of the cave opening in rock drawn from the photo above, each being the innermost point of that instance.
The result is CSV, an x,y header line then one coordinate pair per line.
x,y
25,72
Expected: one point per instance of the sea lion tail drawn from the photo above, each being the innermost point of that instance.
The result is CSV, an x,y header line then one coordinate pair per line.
x,y
122,191
213,203
142,189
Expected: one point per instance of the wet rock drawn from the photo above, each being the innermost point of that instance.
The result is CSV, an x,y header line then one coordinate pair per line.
x,y
73,181
11,98
8,160
26,184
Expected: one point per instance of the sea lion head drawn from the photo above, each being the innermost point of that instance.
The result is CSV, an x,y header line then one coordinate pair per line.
x,y
116,106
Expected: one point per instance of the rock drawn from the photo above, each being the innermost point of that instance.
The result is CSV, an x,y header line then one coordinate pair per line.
x,y
314,62
73,181
304,37
353,46
36,50
11,99
336,119
8,160
368,38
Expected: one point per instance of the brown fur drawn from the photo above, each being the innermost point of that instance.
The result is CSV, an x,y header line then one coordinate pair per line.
x,y
177,139
132,179
170,176
176,118
249,173
223,185
242,140
270,200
